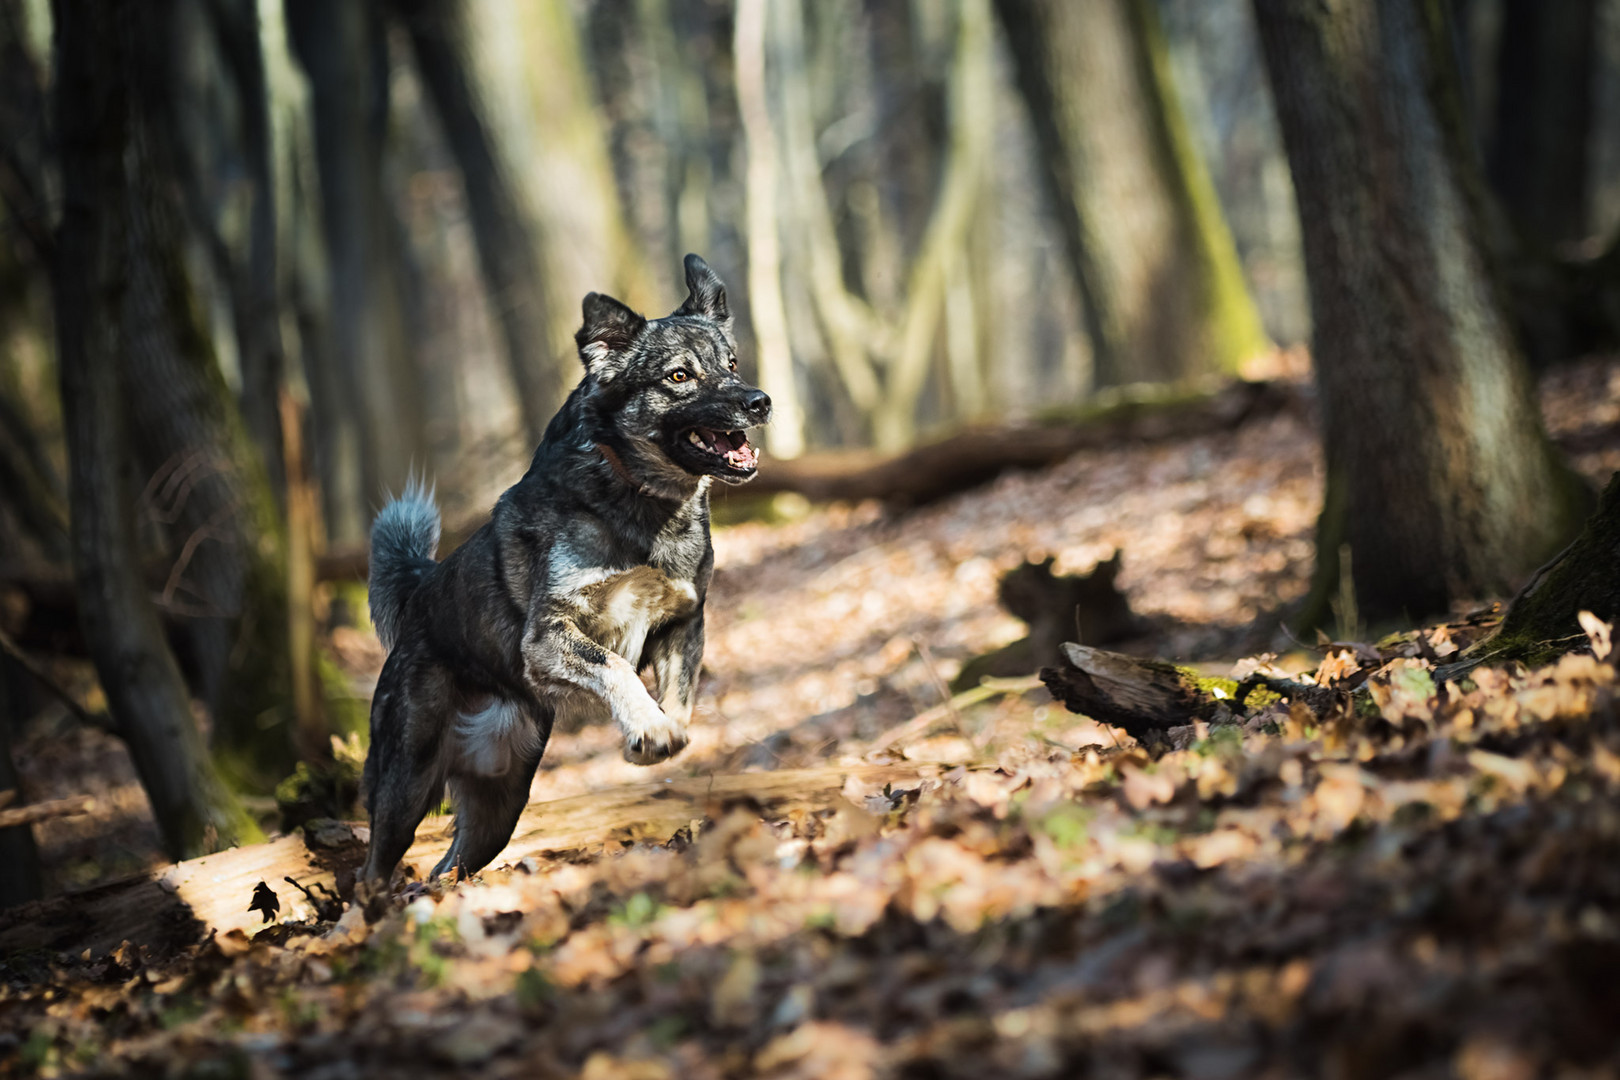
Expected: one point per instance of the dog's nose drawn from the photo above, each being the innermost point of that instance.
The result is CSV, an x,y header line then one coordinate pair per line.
x,y
757,402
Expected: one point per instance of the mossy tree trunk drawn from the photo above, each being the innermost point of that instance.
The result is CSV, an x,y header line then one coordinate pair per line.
x,y
97,68
1543,621
1441,484
206,487
1164,293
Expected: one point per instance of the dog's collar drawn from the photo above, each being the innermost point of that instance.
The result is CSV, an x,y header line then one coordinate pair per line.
x,y
616,465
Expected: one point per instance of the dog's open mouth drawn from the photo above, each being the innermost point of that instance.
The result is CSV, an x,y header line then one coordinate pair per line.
x,y
730,447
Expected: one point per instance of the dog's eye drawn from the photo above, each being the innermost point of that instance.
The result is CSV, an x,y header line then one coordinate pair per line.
x,y
733,364
680,374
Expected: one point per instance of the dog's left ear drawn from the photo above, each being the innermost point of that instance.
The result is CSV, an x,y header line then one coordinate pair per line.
x,y
608,330
706,293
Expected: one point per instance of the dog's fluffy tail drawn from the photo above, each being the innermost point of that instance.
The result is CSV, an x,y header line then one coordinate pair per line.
x,y
404,539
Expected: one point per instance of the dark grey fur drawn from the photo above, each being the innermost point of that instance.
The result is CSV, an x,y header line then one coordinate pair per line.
x,y
592,568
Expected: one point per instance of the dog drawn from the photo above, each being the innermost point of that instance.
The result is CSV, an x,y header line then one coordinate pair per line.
x,y
592,568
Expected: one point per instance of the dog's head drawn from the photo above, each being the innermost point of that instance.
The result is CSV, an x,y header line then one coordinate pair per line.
x,y
669,387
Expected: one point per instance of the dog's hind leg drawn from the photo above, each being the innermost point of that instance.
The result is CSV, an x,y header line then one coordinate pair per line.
x,y
405,769
487,810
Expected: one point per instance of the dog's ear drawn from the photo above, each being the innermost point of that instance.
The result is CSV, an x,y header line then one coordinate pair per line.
x,y
608,330
706,293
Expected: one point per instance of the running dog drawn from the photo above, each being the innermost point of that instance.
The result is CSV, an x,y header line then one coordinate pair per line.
x,y
592,568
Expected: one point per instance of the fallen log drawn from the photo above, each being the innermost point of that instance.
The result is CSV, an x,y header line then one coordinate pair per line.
x,y
966,459
979,454
181,904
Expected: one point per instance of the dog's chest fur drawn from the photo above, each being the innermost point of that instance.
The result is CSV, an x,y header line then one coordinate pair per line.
x,y
617,609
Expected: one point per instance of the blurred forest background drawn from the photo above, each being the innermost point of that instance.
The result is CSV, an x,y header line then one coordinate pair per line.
x,y
259,259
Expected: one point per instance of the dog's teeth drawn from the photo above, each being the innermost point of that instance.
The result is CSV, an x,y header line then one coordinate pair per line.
x,y
693,436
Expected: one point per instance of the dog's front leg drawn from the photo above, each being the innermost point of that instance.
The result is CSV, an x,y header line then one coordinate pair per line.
x,y
559,658
675,653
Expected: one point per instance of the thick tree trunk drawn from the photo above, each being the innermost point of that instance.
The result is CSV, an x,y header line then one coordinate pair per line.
x,y
506,239
95,71
1543,622
1537,155
1163,290
1441,485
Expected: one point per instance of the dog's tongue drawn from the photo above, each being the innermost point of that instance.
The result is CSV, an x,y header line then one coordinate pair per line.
x,y
733,446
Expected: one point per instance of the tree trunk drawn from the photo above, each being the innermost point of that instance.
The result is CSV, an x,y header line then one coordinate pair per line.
x,y
1164,293
534,76
1543,622
96,70
343,50
253,278
1441,485
208,491
1537,158
19,854
767,314
505,238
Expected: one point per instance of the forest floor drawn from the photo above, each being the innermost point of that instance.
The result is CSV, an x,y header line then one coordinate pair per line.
x,y
1425,882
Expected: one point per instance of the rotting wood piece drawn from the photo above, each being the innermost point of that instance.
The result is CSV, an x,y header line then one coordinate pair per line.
x,y
1140,696
180,904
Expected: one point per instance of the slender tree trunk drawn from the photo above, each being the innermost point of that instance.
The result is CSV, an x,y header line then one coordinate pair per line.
x,y
1441,485
506,239
1538,152
342,48
1164,293
96,69
254,280
766,312
534,77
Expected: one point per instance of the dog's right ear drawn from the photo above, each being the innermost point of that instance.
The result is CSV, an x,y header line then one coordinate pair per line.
x,y
609,329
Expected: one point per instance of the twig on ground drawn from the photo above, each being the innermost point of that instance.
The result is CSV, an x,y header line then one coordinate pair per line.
x,y
987,689
44,811
30,665
926,655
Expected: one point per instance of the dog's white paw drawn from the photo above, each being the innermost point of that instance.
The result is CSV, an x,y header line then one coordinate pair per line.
x,y
650,734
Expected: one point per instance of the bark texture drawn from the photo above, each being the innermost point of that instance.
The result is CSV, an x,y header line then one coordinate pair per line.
x,y
1441,484
1164,294
145,692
